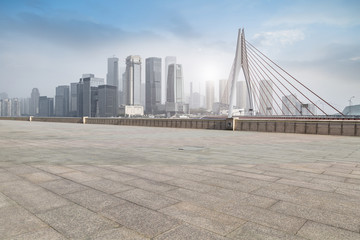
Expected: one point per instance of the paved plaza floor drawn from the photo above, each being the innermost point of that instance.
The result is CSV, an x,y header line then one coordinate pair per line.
x,y
75,181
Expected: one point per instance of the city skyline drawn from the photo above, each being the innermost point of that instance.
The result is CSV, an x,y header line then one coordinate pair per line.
x,y
53,43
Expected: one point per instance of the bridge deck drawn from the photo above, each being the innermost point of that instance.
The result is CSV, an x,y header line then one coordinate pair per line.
x,y
122,182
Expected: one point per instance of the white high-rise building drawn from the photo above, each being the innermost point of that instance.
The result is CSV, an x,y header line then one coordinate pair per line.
x,y
266,98
224,91
112,76
168,60
175,84
209,95
133,80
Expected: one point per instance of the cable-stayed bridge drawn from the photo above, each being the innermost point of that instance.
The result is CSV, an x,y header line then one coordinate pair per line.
x,y
271,90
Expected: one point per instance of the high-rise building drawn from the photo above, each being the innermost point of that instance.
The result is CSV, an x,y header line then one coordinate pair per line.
x,y
62,101
290,105
73,99
25,106
133,80
112,76
5,107
168,60
242,96
46,106
224,91
153,84
3,95
34,102
15,107
265,97
175,84
107,102
88,95
209,95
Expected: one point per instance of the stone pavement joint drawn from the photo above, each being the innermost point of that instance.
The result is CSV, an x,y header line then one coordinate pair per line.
x,y
70,181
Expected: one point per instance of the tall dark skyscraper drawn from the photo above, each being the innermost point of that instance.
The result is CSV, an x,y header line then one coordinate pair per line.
x,y
107,101
88,95
62,101
34,102
112,76
46,106
153,84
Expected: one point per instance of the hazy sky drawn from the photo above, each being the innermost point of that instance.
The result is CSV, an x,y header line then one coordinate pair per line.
x,y
48,43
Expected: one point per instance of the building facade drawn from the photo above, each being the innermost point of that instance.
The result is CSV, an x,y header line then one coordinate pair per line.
x,y
133,80
152,84
107,101
34,102
242,96
46,106
62,101
210,95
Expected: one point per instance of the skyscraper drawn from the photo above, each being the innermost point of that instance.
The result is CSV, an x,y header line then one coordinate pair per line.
x,y
168,60
107,102
73,99
265,97
34,102
242,96
87,95
112,76
153,84
209,95
133,80
175,84
46,106
224,91
290,105
15,107
62,101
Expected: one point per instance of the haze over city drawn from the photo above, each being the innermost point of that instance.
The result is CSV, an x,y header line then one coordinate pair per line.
x,y
49,43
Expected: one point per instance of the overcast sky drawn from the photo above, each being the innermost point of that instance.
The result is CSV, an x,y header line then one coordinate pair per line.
x,y
44,44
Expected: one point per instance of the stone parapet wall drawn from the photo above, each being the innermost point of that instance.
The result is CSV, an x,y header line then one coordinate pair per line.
x,y
324,127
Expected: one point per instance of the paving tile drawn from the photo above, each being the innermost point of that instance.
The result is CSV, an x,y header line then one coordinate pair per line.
x,y
322,216
317,231
63,186
149,185
213,221
118,233
190,233
253,231
255,176
348,192
76,222
232,185
345,175
39,177
191,185
354,181
19,186
142,220
94,200
41,234
15,220
336,185
307,185
107,186
8,177
5,201
21,169
147,199
55,169
78,176
265,217
38,201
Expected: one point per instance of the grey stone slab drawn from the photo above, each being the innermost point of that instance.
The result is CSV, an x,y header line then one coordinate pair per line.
x,y
76,222
344,175
354,181
211,220
348,192
255,176
108,186
189,233
8,177
18,187
149,185
41,234
94,200
118,233
265,217
147,199
39,177
337,185
192,185
78,176
142,220
55,169
63,186
21,169
5,201
322,216
253,231
232,185
15,220
38,201
311,185
317,231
